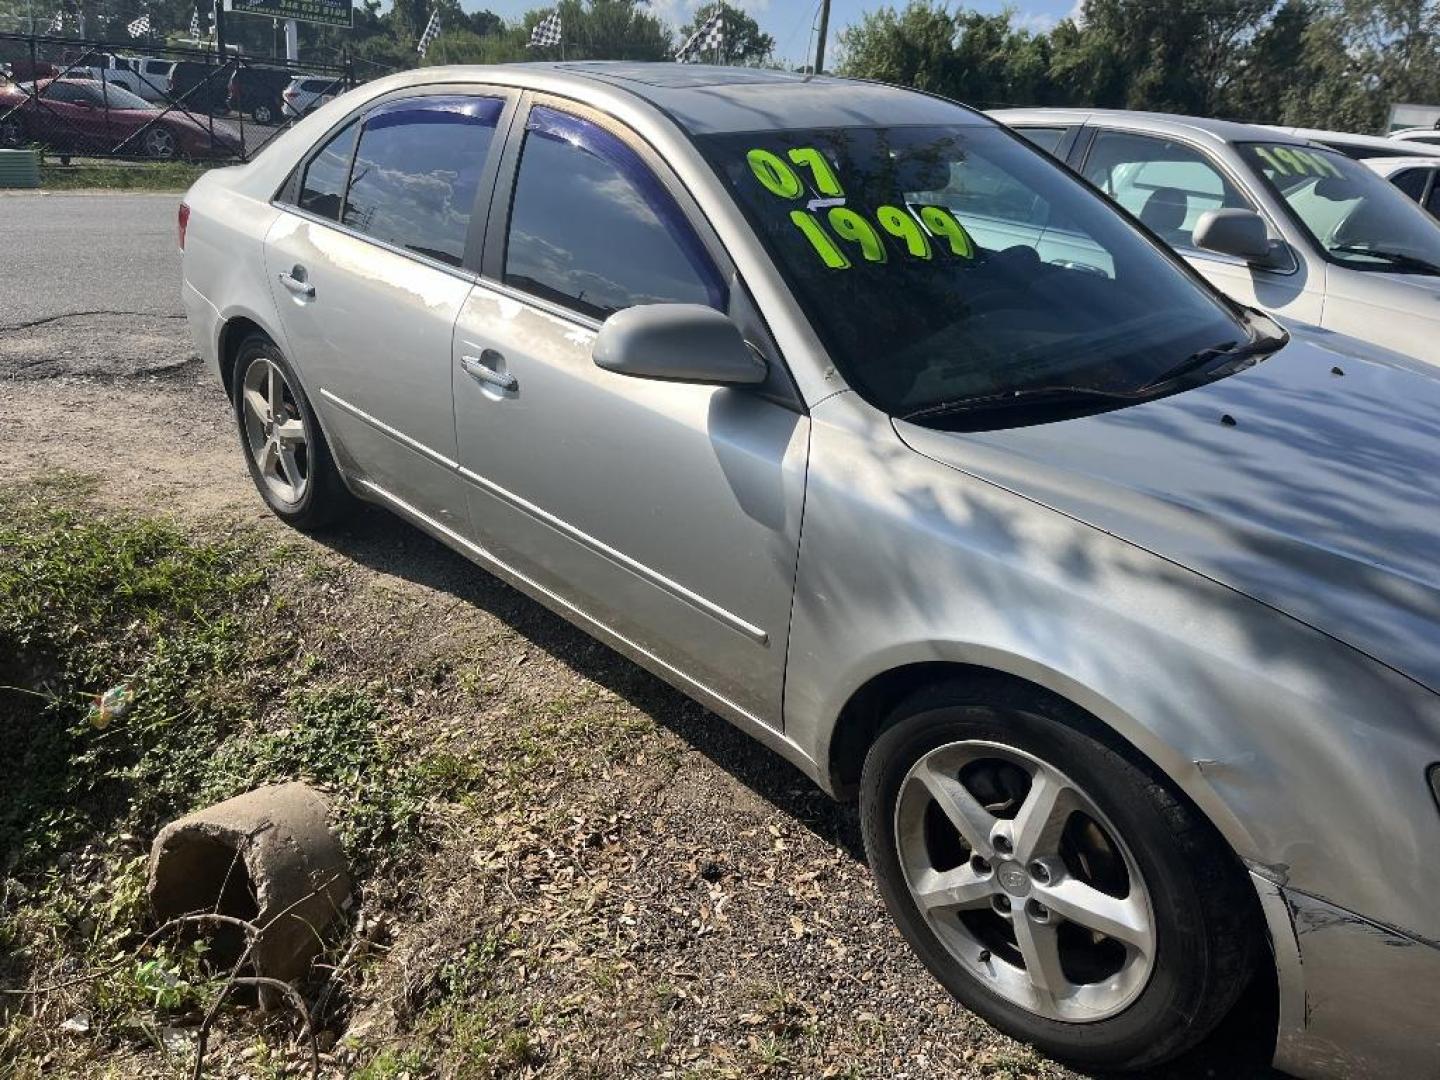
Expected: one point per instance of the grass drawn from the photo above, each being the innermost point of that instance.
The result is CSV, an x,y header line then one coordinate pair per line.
x,y
90,175
218,700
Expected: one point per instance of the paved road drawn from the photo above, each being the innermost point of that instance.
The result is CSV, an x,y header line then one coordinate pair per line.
x,y
65,254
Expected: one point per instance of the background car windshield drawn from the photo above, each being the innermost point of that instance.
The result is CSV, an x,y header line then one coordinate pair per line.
x,y
103,94
947,263
1356,216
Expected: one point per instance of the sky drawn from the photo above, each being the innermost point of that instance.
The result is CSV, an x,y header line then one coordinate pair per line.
x,y
789,22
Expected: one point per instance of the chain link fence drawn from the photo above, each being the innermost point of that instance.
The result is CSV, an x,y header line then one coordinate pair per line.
x,y
74,98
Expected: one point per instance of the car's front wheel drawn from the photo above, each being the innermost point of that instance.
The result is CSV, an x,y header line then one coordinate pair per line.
x,y
11,132
284,447
263,114
1052,885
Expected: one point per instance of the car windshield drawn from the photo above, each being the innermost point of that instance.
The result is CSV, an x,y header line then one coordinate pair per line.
x,y
956,264
1357,217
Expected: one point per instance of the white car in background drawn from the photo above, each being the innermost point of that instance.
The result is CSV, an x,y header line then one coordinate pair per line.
x,y
1413,176
306,94
1349,143
1274,220
1426,136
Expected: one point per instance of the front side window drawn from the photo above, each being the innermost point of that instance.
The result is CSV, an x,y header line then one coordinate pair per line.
x,y
944,266
416,172
322,188
1412,182
1167,185
592,228
1359,219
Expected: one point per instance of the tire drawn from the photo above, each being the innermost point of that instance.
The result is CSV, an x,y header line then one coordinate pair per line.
x,y
1120,843
12,134
161,144
294,473
263,114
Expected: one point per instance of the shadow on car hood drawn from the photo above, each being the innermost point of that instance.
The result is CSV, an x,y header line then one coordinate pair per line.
x,y
1321,499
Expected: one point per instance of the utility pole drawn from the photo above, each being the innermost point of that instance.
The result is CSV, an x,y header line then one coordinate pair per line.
x,y
824,33
219,10
292,40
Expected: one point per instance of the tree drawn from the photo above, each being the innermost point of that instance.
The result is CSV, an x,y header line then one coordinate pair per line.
x,y
745,42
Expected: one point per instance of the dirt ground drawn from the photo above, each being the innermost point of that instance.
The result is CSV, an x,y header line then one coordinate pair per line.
x,y
690,906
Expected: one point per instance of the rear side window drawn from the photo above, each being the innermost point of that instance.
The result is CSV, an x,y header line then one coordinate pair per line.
x,y
416,173
1047,139
317,86
322,189
592,228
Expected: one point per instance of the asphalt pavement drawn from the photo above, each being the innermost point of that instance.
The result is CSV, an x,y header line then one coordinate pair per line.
x,y
72,254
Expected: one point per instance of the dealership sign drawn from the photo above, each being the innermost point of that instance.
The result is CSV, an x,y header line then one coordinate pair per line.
x,y
329,12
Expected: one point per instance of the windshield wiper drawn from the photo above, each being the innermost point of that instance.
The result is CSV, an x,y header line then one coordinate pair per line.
x,y
1027,395
1395,258
1227,352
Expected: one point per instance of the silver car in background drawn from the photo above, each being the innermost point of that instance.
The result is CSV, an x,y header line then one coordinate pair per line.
x,y
858,419
1272,219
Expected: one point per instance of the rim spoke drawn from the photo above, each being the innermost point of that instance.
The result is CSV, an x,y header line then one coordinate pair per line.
x,y
276,391
257,403
1121,919
290,431
971,820
951,890
1040,948
290,468
269,458
1042,815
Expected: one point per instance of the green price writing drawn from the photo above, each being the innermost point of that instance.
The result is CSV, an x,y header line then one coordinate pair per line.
x,y
782,177
1297,161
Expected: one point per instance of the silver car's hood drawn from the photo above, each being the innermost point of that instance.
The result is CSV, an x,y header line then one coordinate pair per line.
x,y
1321,499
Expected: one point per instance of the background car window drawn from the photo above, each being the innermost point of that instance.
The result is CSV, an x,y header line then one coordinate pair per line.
x,y
1433,202
1412,182
1166,185
1047,139
591,227
416,172
69,93
323,188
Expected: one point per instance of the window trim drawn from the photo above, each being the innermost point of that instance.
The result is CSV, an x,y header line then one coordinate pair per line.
x,y
1189,251
286,198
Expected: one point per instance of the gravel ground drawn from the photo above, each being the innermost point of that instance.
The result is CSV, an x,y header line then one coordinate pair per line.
x,y
691,906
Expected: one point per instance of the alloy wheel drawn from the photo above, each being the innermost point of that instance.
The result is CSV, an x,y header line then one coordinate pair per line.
x,y
1024,882
274,431
262,114
11,134
160,143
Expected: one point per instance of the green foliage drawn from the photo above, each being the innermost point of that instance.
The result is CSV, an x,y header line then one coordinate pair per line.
x,y
1322,63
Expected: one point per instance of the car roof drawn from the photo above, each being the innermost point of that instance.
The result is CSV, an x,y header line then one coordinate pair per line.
x,y
707,99
1205,129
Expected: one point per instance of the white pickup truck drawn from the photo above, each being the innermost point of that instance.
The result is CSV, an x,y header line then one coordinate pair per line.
x,y
147,76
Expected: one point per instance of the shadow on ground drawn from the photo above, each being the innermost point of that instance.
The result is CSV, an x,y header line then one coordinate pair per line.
x,y
1239,1049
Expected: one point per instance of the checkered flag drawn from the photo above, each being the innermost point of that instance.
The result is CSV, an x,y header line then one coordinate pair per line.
x,y
546,32
57,23
140,27
432,31
195,23
709,37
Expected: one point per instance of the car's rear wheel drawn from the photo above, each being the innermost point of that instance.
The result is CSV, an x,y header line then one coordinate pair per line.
x,y
160,143
284,447
1050,883
11,132
263,114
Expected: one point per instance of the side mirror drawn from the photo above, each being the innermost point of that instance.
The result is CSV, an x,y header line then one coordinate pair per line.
x,y
677,343
1240,233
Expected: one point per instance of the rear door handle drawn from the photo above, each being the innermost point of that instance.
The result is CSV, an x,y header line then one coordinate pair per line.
x,y
477,368
297,286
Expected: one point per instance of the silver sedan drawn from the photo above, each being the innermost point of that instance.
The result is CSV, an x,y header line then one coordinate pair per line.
x,y
860,420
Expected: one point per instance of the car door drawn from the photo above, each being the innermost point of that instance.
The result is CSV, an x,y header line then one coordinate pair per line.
x,y
1168,185
367,268
668,513
70,116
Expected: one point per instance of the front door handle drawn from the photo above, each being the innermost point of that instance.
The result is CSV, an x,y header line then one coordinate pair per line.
x,y
477,368
297,284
